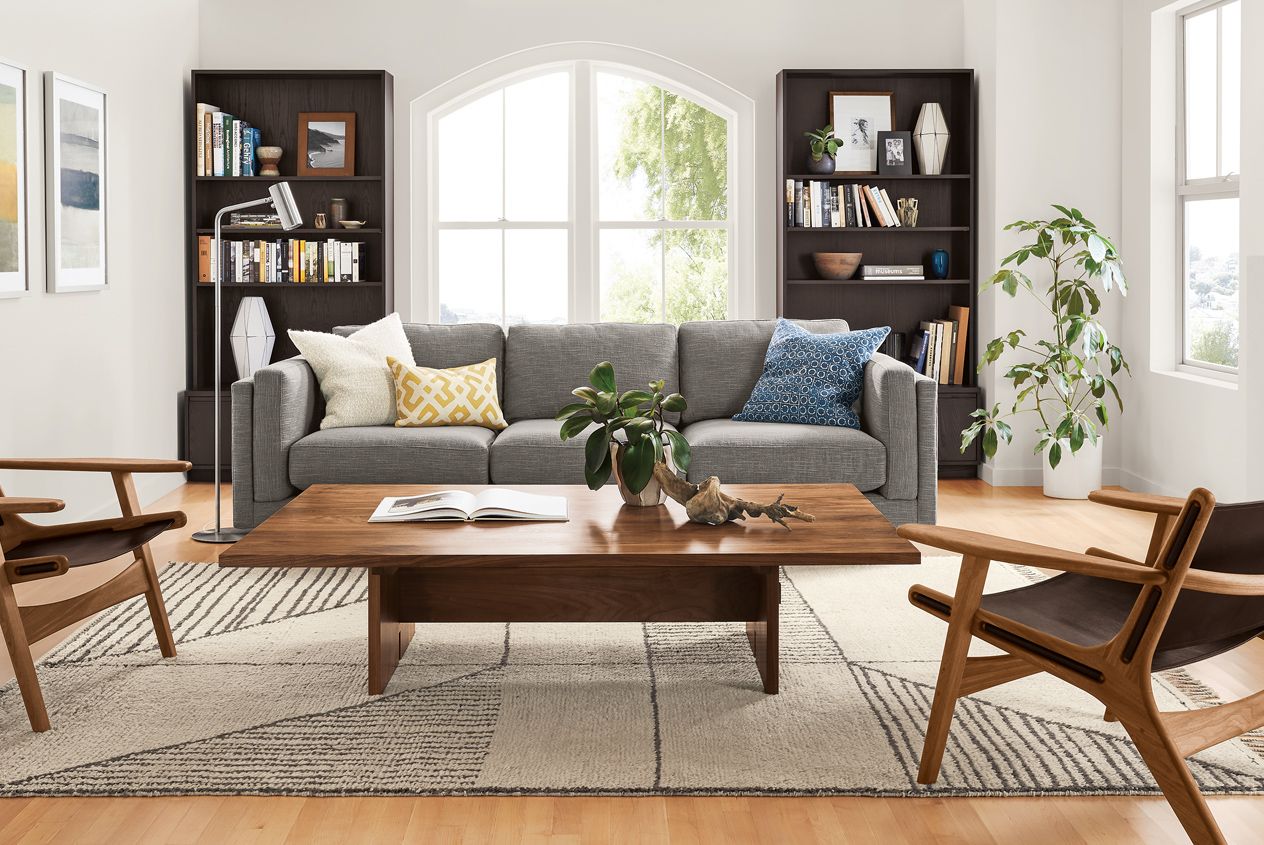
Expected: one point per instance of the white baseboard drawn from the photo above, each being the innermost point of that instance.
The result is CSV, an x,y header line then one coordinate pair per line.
x,y
1034,476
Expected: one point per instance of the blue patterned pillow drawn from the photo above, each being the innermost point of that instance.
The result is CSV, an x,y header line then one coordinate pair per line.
x,y
812,378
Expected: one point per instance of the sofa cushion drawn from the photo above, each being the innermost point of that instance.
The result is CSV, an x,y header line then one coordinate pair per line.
x,y
532,452
385,455
543,364
352,372
427,397
445,346
785,453
721,361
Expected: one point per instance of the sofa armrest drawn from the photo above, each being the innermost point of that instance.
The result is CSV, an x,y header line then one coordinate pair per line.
x,y
927,392
272,411
889,414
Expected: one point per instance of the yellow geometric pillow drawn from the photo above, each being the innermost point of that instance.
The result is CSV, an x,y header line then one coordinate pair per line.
x,y
460,396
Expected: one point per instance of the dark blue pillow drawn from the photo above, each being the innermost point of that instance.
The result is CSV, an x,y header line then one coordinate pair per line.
x,y
812,378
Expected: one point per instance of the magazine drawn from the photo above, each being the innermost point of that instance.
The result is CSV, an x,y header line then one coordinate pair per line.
x,y
497,503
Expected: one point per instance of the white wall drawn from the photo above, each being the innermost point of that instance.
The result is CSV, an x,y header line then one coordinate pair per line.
x,y
1181,430
1049,99
85,374
742,43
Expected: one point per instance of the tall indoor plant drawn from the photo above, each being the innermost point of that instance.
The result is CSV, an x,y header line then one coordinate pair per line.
x,y
1067,376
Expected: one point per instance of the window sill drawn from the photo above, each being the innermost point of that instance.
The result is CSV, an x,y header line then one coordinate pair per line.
x,y
1209,378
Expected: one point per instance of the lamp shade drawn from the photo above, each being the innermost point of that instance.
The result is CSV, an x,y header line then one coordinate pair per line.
x,y
286,208
252,336
930,137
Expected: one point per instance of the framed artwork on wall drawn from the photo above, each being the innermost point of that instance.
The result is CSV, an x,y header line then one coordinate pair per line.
x,y
857,118
13,271
75,164
326,144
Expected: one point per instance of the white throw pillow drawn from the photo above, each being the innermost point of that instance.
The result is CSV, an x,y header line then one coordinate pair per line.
x,y
354,379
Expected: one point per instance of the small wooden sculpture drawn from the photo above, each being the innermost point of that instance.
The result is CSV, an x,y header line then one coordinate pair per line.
x,y
708,504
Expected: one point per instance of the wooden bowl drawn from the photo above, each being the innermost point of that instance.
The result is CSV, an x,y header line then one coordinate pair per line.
x,y
836,265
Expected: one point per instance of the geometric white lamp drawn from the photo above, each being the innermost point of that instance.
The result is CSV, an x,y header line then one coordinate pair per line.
x,y
252,336
930,137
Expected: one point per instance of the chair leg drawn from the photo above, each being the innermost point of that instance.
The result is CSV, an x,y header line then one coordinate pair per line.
x,y
951,666
157,608
1174,778
20,655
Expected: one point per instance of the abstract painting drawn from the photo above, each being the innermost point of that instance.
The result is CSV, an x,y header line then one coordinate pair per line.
x,y
326,142
12,180
857,118
75,138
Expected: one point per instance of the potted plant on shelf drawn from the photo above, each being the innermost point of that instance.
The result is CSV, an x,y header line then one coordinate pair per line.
x,y
1067,377
823,146
631,437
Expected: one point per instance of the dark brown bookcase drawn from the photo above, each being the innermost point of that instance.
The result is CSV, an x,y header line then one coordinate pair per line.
x,y
948,219
272,100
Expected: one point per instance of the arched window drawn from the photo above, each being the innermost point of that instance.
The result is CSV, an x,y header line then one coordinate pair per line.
x,y
581,191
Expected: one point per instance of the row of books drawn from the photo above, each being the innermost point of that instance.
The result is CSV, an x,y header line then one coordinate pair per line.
x,y
283,261
897,272
939,350
249,220
824,205
225,144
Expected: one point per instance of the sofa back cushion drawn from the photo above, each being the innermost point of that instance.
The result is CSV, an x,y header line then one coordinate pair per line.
x,y
543,364
443,347
720,362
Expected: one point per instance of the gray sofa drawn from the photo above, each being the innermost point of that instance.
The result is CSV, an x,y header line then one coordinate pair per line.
x,y
279,449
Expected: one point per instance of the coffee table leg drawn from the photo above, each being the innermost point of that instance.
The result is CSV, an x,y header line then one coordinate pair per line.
x,y
388,637
763,632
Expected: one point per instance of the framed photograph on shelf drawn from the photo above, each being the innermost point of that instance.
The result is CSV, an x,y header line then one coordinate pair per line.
x,y
13,274
895,153
75,163
857,118
326,144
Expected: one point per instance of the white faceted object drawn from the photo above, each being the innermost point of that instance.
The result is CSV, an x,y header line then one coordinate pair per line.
x,y
930,137
252,337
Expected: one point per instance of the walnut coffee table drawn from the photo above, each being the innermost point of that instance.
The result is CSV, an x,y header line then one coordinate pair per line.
x,y
609,563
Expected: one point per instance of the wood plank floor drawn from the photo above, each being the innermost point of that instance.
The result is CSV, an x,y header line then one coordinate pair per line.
x,y
1017,512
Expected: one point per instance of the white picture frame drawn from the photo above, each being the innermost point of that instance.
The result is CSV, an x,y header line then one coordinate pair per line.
x,y
857,118
14,269
75,157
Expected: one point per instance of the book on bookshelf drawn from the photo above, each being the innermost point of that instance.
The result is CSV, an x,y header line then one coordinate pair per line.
x,y
204,111
225,145
892,269
282,261
960,315
943,357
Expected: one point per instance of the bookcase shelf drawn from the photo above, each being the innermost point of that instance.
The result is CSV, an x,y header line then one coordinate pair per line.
x,y
948,211
272,100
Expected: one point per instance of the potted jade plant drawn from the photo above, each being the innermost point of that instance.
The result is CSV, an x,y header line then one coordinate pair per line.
x,y
631,437
823,147
1067,377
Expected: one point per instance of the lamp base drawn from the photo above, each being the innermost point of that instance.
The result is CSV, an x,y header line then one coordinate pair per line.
x,y
221,535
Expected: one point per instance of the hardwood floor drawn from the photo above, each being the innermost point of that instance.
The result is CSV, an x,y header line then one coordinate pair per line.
x,y
1022,513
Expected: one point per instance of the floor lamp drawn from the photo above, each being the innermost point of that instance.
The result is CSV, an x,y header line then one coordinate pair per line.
x,y
279,197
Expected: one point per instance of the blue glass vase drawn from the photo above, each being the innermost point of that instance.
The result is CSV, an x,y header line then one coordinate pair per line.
x,y
939,264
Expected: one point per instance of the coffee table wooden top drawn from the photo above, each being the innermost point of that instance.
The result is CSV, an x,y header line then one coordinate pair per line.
x,y
327,526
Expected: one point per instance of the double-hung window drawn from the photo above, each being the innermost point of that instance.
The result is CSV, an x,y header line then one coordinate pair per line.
x,y
1208,159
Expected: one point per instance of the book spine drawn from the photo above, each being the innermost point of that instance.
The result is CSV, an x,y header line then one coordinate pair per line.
x,y
345,272
247,150
204,258
789,202
798,203
199,141
355,261
236,153
217,148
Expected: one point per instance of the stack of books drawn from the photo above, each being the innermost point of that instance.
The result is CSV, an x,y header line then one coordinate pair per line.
x,y
282,261
247,220
823,205
939,349
878,272
225,144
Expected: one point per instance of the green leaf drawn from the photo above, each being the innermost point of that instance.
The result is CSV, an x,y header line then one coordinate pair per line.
x,y
637,464
597,449
674,402
571,410
681,454
596,479
640,426
575,425
989,443
602,377
1100,407
607,404
632,398
586,393
1096,246
1055,455
1077,437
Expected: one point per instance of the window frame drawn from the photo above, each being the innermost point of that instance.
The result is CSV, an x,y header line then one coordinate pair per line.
x,y
584,224
1219,186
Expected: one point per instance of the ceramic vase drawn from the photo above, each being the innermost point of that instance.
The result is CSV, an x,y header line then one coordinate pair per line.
x,y
649,497
823,166
269,158
930,137
1077,474
252,337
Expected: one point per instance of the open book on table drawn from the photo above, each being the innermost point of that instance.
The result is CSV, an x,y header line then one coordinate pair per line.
x,y
469,507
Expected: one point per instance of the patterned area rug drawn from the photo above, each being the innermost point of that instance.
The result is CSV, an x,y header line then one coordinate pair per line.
x,y
268,696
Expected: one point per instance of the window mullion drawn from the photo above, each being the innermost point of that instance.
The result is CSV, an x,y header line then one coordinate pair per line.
x,y
584,281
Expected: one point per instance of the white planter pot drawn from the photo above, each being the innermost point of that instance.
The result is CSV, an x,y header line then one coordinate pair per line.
x,y
1077,474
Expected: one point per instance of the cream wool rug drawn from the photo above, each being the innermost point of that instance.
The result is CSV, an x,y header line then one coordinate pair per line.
x,y
268,696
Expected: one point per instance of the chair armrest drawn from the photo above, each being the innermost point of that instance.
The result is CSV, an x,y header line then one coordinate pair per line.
x,y
113,523
1224,583
1138,501
974,544
22,504
888,413
96,464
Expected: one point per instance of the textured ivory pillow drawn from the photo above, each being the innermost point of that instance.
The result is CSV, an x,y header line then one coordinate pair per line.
x,y
465,395
352,371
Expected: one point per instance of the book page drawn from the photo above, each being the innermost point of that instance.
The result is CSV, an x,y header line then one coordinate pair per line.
x,y
405,507
504,502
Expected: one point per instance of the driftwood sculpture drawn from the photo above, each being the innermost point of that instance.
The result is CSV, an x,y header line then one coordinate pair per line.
x,y
707,503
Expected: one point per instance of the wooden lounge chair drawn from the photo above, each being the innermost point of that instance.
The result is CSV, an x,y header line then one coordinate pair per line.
x,y
1107,623
29,552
